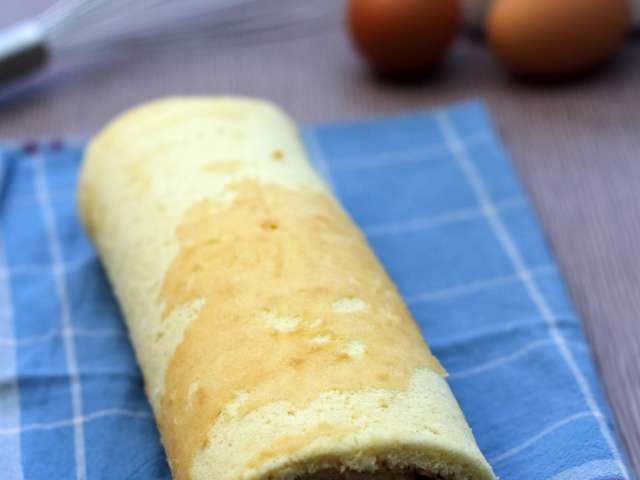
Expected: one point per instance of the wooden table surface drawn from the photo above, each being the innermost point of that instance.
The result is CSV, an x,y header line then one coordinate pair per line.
x,y
576,147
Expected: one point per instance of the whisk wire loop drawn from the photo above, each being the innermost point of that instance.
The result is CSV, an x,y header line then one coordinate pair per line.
x,y
81,27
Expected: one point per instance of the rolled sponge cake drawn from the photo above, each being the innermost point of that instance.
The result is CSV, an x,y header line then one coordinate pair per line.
x,y
272,342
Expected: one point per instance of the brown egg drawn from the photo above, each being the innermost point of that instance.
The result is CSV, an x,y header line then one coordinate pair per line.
x,y
402,36
556,38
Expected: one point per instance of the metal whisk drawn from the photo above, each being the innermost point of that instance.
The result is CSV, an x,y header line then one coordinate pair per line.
x,y
95,27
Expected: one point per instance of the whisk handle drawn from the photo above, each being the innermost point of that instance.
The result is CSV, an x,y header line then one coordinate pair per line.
x,y
23,50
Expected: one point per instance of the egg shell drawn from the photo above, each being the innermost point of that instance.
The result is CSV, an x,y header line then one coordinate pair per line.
x,y
556,38
402,36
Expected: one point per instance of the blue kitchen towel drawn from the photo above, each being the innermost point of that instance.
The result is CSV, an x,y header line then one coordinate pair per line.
x,y
441,207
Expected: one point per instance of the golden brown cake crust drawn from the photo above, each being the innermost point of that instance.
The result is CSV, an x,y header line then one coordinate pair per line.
x,y
295,304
